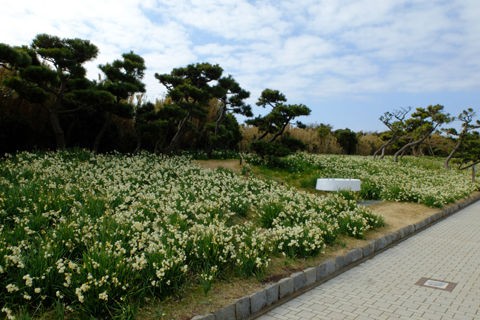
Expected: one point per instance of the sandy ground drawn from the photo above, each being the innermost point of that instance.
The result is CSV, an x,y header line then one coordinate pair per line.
x,y
398,214
214,164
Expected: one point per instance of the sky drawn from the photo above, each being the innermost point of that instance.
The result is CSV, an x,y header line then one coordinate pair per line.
x,y
349,61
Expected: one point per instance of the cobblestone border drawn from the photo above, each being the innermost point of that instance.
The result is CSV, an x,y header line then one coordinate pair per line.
x,y
254,305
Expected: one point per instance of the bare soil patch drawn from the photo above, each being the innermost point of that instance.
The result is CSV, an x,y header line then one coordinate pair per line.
x,y
215,164
400,214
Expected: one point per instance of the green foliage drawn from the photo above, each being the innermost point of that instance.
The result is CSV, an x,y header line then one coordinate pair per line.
x,y
196,115
123,77
419,180
95,235
466,139
232,97
67,54
370,190
347,140
275,122
292,143
269,149
123,80
52,70
270,211
226,136
421,124
26,90
469,152
11,57
193,91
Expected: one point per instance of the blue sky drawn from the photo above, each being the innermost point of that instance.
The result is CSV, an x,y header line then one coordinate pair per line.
x,y
349,61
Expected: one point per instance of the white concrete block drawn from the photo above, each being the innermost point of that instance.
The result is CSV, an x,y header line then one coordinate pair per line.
x,y
336,184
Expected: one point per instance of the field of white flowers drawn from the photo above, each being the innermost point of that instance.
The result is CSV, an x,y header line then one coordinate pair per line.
x,y
94,235
413,179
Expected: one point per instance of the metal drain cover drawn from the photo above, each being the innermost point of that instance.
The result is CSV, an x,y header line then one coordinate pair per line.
x,y
436,284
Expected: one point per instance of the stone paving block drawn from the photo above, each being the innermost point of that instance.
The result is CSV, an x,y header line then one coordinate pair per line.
x,y
209,316
226,313
354,255
368,249
431,219
449,210
437,216
271,317
258,301
395,236
340,262
272,293
242,308
310,276
304,314
406,231
285,287
299,280
380,243
325,269
420,225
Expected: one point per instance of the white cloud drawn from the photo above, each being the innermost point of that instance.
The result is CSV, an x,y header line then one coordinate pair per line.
x,y
303,49
306,48
233,20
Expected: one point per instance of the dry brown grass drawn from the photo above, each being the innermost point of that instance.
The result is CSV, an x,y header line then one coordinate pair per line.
x,y
233,165
309,136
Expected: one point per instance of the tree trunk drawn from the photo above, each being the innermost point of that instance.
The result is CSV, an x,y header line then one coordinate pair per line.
x,y
70,129
139,143
262,136
221,115
384,146
101,133
174,142
156,148
57,129
382,149
383,154
459,143
280,132
375,153
430,149
410,145
450,156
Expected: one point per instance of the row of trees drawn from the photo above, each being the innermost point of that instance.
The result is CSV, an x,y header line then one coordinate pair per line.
x,y
324,139
46,81
413,131
47,102
424,131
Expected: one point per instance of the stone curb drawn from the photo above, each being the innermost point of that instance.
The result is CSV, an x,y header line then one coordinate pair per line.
x,y
275,294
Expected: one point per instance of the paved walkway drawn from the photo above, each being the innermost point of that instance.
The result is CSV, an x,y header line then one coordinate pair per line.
x,y
387,286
